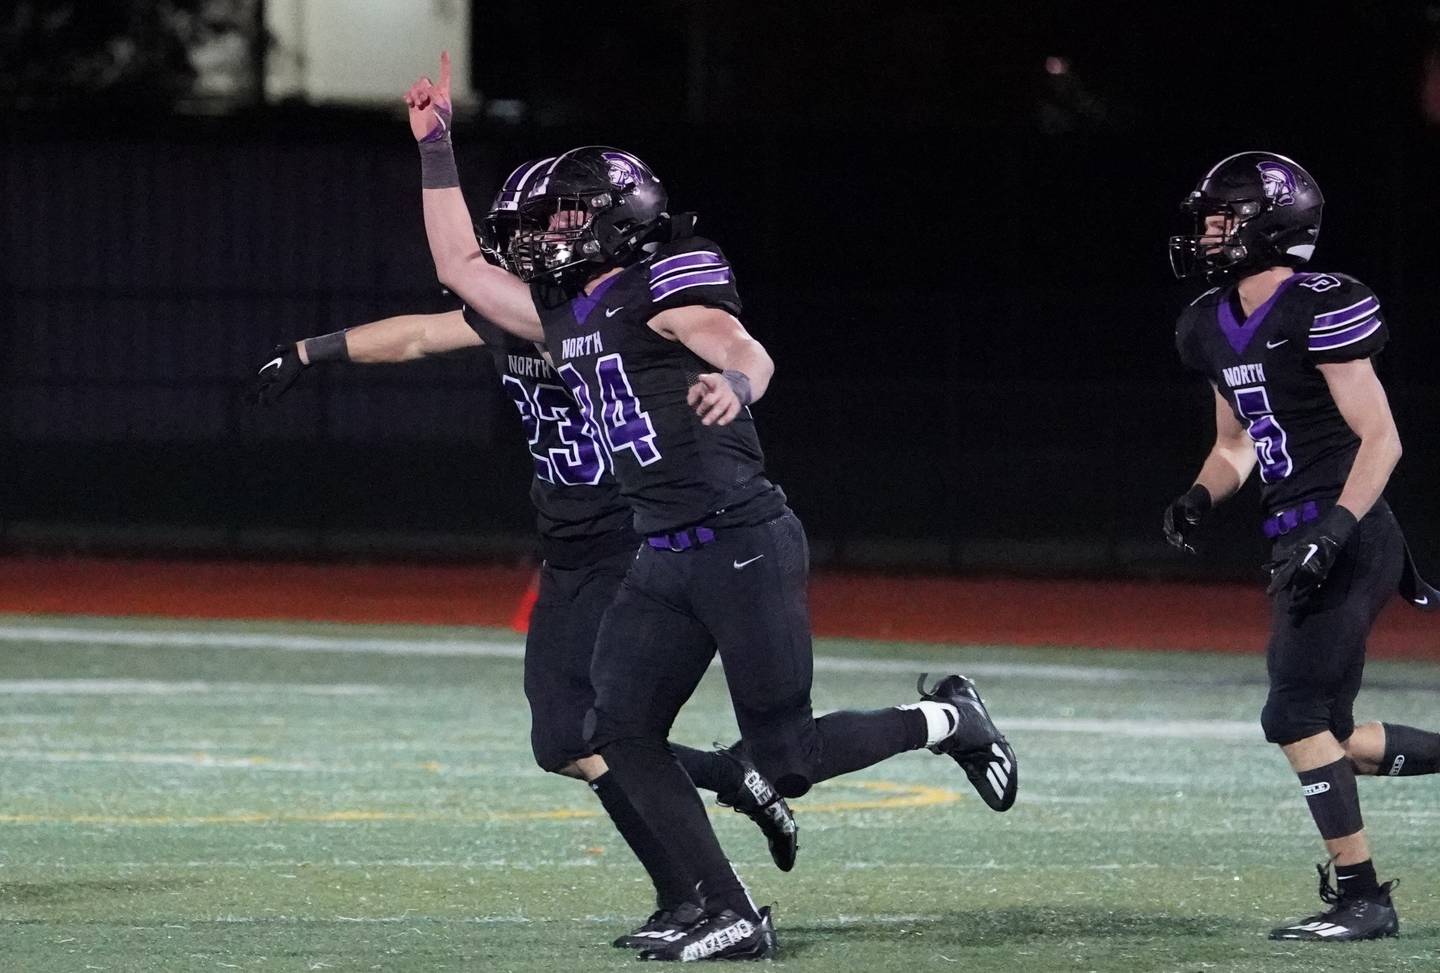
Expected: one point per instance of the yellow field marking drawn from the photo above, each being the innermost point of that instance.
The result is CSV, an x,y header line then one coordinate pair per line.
x,y
901,796
906,796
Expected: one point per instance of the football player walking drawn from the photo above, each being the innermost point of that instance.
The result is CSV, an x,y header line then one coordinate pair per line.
x,y
1289,355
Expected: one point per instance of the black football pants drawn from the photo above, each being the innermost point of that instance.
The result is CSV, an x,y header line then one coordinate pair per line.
x,y
1316,657
743,595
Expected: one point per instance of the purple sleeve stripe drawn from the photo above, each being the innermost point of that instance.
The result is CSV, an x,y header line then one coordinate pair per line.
x,y
1347,337
1345,322
1357,310
722,270
673,274
697,258
658,292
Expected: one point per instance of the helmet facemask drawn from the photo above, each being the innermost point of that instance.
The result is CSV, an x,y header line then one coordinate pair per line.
x,y
556,237
565,237
1211,249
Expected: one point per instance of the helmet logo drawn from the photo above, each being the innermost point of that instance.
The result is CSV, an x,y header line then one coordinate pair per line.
x,y
625,169
1278,182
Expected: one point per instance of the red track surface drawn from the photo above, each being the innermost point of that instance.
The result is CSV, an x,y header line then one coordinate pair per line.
x,y
1134,615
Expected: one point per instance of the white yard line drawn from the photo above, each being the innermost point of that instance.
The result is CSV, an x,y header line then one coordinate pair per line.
x,y
504,649
201,760
189,687
507,863
55,635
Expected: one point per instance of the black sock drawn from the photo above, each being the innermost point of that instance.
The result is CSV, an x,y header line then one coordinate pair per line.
x,y
668,802
853,740
673,884
1409,752
1357,879
710,770
728,892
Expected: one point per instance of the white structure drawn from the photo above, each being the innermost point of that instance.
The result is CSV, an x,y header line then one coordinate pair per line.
x,y
364,51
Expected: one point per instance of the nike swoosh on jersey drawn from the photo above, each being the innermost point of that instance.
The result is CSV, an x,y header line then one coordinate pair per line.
x,y
610,312
1277,344
741,564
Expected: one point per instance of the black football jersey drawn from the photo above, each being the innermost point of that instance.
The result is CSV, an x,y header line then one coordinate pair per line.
x,y
1264,365
580,512
632,383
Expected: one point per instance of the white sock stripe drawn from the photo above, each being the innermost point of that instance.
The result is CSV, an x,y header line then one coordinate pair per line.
x,y
941,719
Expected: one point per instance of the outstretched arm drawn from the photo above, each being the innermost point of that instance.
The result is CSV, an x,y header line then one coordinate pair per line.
x,y
397,339
743,366
403,338
497,294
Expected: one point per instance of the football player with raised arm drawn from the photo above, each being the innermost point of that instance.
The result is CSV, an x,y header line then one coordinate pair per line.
x,y
1289,355
639,315
586,543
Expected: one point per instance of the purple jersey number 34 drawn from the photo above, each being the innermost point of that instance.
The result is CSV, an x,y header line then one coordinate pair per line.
x,y
620,419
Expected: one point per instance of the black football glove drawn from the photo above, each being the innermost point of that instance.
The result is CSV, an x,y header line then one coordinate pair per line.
x,y
1184,515
1308,564
275,377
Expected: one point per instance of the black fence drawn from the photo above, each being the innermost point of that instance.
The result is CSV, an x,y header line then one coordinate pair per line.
x,y
973,334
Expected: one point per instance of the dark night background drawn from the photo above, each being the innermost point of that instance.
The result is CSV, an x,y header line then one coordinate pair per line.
x,y
955,257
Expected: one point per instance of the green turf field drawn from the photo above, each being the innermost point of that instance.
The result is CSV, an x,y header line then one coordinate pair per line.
x,y
187,796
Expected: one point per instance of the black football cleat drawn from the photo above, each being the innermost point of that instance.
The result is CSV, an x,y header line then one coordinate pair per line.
x,y
976,743
723,935
1350,917
665,922
758,801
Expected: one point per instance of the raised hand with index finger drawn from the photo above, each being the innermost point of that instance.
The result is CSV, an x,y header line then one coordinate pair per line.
x,y
430,113
430,107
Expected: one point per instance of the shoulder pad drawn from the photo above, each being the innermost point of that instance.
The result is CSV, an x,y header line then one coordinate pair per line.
x,y
692,262
1342,314
682,225
1331,292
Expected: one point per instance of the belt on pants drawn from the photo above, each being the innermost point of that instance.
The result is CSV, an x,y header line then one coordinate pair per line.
x,y
681,540
1284,521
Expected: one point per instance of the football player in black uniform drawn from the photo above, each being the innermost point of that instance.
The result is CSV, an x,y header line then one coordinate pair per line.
x,y
639,316
1288,353
586,543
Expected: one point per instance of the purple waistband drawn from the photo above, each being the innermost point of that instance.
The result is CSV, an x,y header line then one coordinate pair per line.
x,y
1284,521
681,540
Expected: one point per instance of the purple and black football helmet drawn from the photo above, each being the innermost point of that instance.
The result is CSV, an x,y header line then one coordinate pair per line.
x,y
1272,217
496,230
592,208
